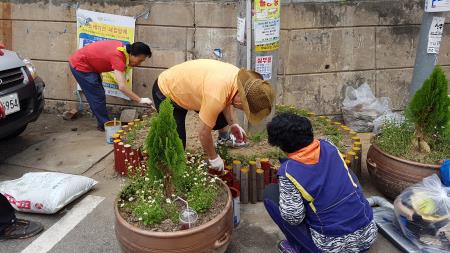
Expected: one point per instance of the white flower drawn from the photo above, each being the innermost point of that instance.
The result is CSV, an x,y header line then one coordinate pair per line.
x,y
140,218
122,205
147,179
195,178
195,183
145,213
131,199
168,201
161,185
173,195
142,191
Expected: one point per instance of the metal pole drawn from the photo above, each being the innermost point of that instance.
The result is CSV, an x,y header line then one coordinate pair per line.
x,y
425,62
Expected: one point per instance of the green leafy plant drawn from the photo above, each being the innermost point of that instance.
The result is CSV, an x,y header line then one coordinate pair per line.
x,y
167,160
151,193
429,110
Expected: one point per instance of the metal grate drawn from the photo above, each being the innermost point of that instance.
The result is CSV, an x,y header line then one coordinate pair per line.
x,y
10,77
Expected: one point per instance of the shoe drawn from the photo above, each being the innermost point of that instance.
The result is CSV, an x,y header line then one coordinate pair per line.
x,y
101,128
285,247
21,229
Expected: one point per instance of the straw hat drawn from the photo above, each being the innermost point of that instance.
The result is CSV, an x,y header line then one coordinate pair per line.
x,y
257,95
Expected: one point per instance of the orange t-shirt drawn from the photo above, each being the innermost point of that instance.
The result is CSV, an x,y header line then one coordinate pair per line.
x,y
206,86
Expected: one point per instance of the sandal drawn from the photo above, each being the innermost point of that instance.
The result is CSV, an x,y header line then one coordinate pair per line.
x,y
21,229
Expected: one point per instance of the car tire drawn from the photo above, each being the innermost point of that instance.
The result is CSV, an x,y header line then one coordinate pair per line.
x,y
16,133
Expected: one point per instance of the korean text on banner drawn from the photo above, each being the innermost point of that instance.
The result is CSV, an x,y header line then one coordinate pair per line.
x,y
435,35
95,26
267,25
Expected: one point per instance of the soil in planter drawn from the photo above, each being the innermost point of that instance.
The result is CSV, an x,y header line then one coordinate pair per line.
x,y
258,147
169,226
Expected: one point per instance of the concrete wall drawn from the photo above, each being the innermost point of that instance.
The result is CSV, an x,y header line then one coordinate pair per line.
x,y
326,46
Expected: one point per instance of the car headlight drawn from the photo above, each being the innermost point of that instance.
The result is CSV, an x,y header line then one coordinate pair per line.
x,y
30,67
29,64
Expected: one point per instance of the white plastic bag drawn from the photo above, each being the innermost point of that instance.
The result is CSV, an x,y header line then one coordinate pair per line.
x,y
45,192
423,213
360,108
393,117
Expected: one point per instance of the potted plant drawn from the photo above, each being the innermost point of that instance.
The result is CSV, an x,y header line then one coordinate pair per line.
x,y
161,191
406,152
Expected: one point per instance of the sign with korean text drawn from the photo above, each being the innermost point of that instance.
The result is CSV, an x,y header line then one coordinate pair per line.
x,y
435,35
437,5
95,26
263,65
267,25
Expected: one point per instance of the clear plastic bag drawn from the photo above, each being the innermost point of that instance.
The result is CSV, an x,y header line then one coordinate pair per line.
x,y
360,108
423,213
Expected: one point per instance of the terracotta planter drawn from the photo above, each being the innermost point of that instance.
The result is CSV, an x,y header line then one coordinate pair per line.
x,y
211,237
391,175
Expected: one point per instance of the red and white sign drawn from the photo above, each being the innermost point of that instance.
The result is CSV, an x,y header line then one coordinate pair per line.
x,y
263,65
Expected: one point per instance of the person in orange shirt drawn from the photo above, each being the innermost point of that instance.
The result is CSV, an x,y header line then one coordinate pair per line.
x,y
213,88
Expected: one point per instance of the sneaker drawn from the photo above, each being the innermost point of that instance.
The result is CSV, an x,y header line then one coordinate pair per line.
x,y
21,229
285,247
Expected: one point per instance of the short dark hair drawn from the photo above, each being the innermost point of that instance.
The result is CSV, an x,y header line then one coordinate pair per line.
x,y
139,48
290,132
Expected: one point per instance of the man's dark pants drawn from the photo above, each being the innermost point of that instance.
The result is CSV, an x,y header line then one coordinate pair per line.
x,y
7,213
180,114
299,236
91,84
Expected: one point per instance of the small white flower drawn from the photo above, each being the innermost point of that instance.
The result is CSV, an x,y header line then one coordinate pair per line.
x,y
142,191
131,199
145,213
195,178
147,179
173,195
195,183
161,185
122,205
168,201
140,218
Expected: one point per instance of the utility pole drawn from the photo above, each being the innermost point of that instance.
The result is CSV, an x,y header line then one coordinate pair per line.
x,y
431,31
259,51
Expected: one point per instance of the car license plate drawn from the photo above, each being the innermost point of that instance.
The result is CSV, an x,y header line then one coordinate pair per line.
x,y
11,103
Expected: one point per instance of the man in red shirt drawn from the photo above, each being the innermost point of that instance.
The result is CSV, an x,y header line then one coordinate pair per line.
x,y
90,61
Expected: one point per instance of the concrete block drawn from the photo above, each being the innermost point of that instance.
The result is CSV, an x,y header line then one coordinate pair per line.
x,y
314,50
394,83
216,14
283,52
59,81
173,13
444,51
207,39
343,14
6,33
396,46
44,40
168,44
323,93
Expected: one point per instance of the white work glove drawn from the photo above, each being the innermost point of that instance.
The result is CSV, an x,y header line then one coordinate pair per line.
x,y
239,133
217,164
146,101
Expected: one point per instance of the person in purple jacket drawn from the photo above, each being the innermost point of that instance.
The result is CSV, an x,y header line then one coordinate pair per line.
x,y
318,204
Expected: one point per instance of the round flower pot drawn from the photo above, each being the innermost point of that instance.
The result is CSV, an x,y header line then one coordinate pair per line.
x,y
391,175
211,237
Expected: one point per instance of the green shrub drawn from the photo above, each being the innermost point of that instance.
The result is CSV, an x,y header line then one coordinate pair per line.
x,y
165,150
429,110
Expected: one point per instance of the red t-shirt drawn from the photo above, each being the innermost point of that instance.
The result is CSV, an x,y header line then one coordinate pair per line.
x,y
99,57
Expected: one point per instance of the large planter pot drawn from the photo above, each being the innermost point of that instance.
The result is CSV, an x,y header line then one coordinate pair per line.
x,y
211,237
391,175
